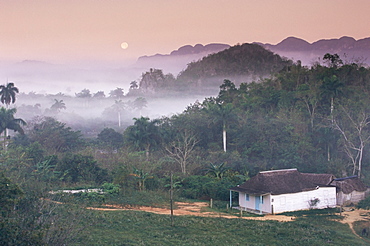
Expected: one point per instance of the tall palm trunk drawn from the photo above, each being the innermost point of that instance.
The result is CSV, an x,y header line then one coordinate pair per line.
x,y
5,140
224,135
147,152
119,119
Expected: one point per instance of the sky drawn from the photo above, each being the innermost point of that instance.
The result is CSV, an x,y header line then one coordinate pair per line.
x,y
83,31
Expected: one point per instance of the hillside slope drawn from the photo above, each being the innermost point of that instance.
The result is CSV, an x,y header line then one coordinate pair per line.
x,y
240,63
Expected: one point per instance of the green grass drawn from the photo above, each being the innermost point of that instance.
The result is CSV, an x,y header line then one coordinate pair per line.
x,y
358,226
313,212
142,228
311,227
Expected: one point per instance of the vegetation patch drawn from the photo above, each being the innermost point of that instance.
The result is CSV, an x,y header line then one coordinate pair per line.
x,y
141,228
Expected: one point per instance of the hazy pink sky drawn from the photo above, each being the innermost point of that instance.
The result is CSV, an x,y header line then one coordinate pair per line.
x,y
59,31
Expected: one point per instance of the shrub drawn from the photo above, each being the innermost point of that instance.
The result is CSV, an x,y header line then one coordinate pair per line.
x,y
111,188
365,204
204,187
77,168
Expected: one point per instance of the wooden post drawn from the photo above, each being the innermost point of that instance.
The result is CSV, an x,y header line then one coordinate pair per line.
x,y
171,200
260,204
241,212
211,203
231,199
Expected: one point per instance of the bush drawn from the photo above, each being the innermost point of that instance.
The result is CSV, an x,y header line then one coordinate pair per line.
x,y
111,188
204,187
364,204
77,168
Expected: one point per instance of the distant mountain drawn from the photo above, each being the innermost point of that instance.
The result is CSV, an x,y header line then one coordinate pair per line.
x,y
178,59
349,49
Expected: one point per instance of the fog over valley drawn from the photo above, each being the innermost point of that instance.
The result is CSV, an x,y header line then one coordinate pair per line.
x,y
92,95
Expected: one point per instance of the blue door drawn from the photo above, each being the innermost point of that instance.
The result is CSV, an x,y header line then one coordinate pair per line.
x,y
258,201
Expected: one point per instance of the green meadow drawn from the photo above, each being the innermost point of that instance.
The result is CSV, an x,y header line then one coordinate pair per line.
x,y
142,228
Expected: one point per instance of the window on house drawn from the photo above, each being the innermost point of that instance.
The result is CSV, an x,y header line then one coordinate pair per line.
x,y
247,197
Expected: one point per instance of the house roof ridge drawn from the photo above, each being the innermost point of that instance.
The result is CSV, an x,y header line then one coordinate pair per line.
x,y
279,170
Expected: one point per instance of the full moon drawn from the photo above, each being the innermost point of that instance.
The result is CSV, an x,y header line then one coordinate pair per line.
x,y
124,45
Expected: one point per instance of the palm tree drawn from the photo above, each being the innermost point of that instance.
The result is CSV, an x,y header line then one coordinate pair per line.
x,y
7,121
119,107
7,93
221,113
58,105
141,177
140,103
217,170
331,88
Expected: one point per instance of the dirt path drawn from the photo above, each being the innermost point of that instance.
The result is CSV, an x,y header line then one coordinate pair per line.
x,y
355,215
195,209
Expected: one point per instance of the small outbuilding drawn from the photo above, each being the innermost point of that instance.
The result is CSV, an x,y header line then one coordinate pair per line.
x,y
350,190
286,190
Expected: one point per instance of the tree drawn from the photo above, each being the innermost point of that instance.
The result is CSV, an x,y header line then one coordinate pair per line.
x,y
308,94
9,194
141,177
99,94
181,149
331,88
217,170
58,105
111,137
334,61
76,167
119,107
140,103
85,93
55,136
133,85
117,93
144,134
227,92
7,93
7,121
353,124
221,113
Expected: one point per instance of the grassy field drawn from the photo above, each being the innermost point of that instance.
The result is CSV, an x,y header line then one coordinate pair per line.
x,y
142,228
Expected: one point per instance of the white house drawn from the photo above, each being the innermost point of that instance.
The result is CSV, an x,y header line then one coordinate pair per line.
x,y
286,190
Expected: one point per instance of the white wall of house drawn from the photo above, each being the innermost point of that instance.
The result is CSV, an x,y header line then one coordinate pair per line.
x,y
301,200
249,202
291,202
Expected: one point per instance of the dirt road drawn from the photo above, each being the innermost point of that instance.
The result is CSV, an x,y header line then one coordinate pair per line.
x,y
195,209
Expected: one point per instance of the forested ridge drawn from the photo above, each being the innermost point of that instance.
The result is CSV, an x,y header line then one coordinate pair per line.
x,y
239,63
